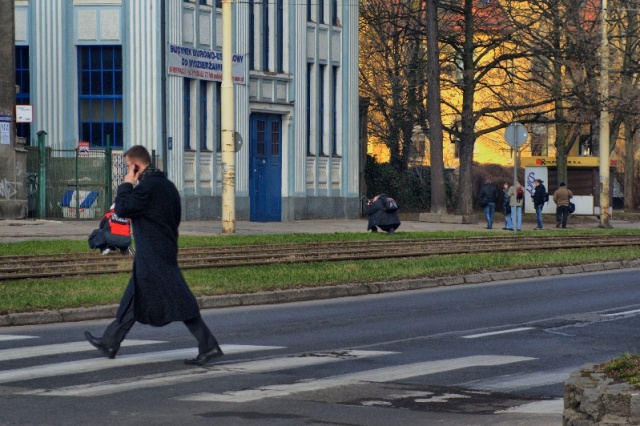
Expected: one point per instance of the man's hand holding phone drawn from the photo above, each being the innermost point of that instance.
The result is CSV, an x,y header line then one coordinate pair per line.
x,y
133,173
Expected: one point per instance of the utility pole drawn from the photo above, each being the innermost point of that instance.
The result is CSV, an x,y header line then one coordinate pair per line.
x,y
227,117
604,121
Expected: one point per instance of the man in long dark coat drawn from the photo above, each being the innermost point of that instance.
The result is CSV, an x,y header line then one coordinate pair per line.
x,y
378,217
157,293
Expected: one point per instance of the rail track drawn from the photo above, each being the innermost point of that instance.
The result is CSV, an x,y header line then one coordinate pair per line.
x,y
61,265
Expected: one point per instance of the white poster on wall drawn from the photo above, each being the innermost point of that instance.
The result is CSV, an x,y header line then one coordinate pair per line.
x,y
530,175
203,64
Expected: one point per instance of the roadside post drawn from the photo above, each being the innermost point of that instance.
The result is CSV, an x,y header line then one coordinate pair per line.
x,y
516,135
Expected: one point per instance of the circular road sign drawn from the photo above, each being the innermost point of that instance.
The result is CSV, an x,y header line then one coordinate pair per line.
x,y
516,135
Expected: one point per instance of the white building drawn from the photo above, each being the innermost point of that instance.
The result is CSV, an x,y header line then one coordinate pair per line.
x,y
98,69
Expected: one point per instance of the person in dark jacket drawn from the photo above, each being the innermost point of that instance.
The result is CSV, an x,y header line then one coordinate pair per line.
x,y
157,293
378,217
487,198
539,197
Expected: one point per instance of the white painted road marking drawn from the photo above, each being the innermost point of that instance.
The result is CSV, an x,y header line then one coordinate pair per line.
x,y
95,364
635,311
516,382
184,376
554,406
7,337
495,333
61,348
380,375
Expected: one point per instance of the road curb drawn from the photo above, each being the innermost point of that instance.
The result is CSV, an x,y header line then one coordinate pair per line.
x,y
318,293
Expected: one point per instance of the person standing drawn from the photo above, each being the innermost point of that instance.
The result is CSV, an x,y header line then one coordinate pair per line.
x,y
157,293
516,201
506,208
489,195
561,197
539,197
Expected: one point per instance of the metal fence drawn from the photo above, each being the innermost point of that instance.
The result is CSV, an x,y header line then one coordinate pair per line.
x,y
71,184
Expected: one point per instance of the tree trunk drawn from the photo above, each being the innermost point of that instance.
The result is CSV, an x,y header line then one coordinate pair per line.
x,y
434,114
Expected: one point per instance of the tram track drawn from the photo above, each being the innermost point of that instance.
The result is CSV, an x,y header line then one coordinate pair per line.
x,y
75,264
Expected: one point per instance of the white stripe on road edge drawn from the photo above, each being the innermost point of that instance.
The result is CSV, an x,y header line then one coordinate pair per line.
x,y
7,337
385,374
635,311
494,333
191,375
61,348
554,406
95,364
516,382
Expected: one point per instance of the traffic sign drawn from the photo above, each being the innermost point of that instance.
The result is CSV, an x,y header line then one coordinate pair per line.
x,y
516,135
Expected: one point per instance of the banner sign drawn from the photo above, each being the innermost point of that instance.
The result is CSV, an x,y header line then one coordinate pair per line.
x,y
202,64
5,129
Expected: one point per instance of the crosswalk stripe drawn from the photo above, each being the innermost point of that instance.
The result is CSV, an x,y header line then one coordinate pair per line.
x,y
495,333
516,382
7,337
95,364
384,374
191,375
61,348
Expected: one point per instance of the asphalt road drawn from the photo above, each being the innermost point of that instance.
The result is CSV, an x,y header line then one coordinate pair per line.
x,y
489,354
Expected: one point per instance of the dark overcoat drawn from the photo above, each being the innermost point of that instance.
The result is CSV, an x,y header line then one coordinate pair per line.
x,y
157,289
378,217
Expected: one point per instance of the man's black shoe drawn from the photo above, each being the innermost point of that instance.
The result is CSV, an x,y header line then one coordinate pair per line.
x,y
106,350
204,358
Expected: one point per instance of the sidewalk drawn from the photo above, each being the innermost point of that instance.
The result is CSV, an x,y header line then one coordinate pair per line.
x,y
34,229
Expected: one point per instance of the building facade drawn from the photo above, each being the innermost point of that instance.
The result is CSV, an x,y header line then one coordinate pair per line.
x,y
105,71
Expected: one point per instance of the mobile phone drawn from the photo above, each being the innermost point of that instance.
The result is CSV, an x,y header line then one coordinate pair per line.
x,y
135,169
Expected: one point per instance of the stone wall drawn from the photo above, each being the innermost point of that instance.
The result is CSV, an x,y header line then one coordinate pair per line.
x,y
591,398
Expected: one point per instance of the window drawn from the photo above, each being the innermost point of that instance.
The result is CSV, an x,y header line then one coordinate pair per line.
x,y
186,112
203,115
309,10
334,12
320,11
23,130
275,138
260,137
264,36
219,4
309,75
218,117
321,105
279,36
252,34
100,95
334,110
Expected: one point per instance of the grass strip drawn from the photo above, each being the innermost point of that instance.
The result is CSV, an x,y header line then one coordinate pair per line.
x,y
32,295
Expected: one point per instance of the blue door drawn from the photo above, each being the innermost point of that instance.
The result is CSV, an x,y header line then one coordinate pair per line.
x,y
265,180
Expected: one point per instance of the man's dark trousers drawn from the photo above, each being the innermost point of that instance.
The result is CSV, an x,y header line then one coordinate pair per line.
x,y
115,333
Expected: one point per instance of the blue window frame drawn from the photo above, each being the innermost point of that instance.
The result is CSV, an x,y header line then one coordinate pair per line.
x,y
309,9
309,74
203,115
334,12
219,4
321,106
320,11
100,95
23,97
186,112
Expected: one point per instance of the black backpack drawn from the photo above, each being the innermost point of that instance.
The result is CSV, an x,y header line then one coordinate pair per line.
x,y
390,205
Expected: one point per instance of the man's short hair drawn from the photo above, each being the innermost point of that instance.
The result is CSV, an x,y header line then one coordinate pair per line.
x,y
138,153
